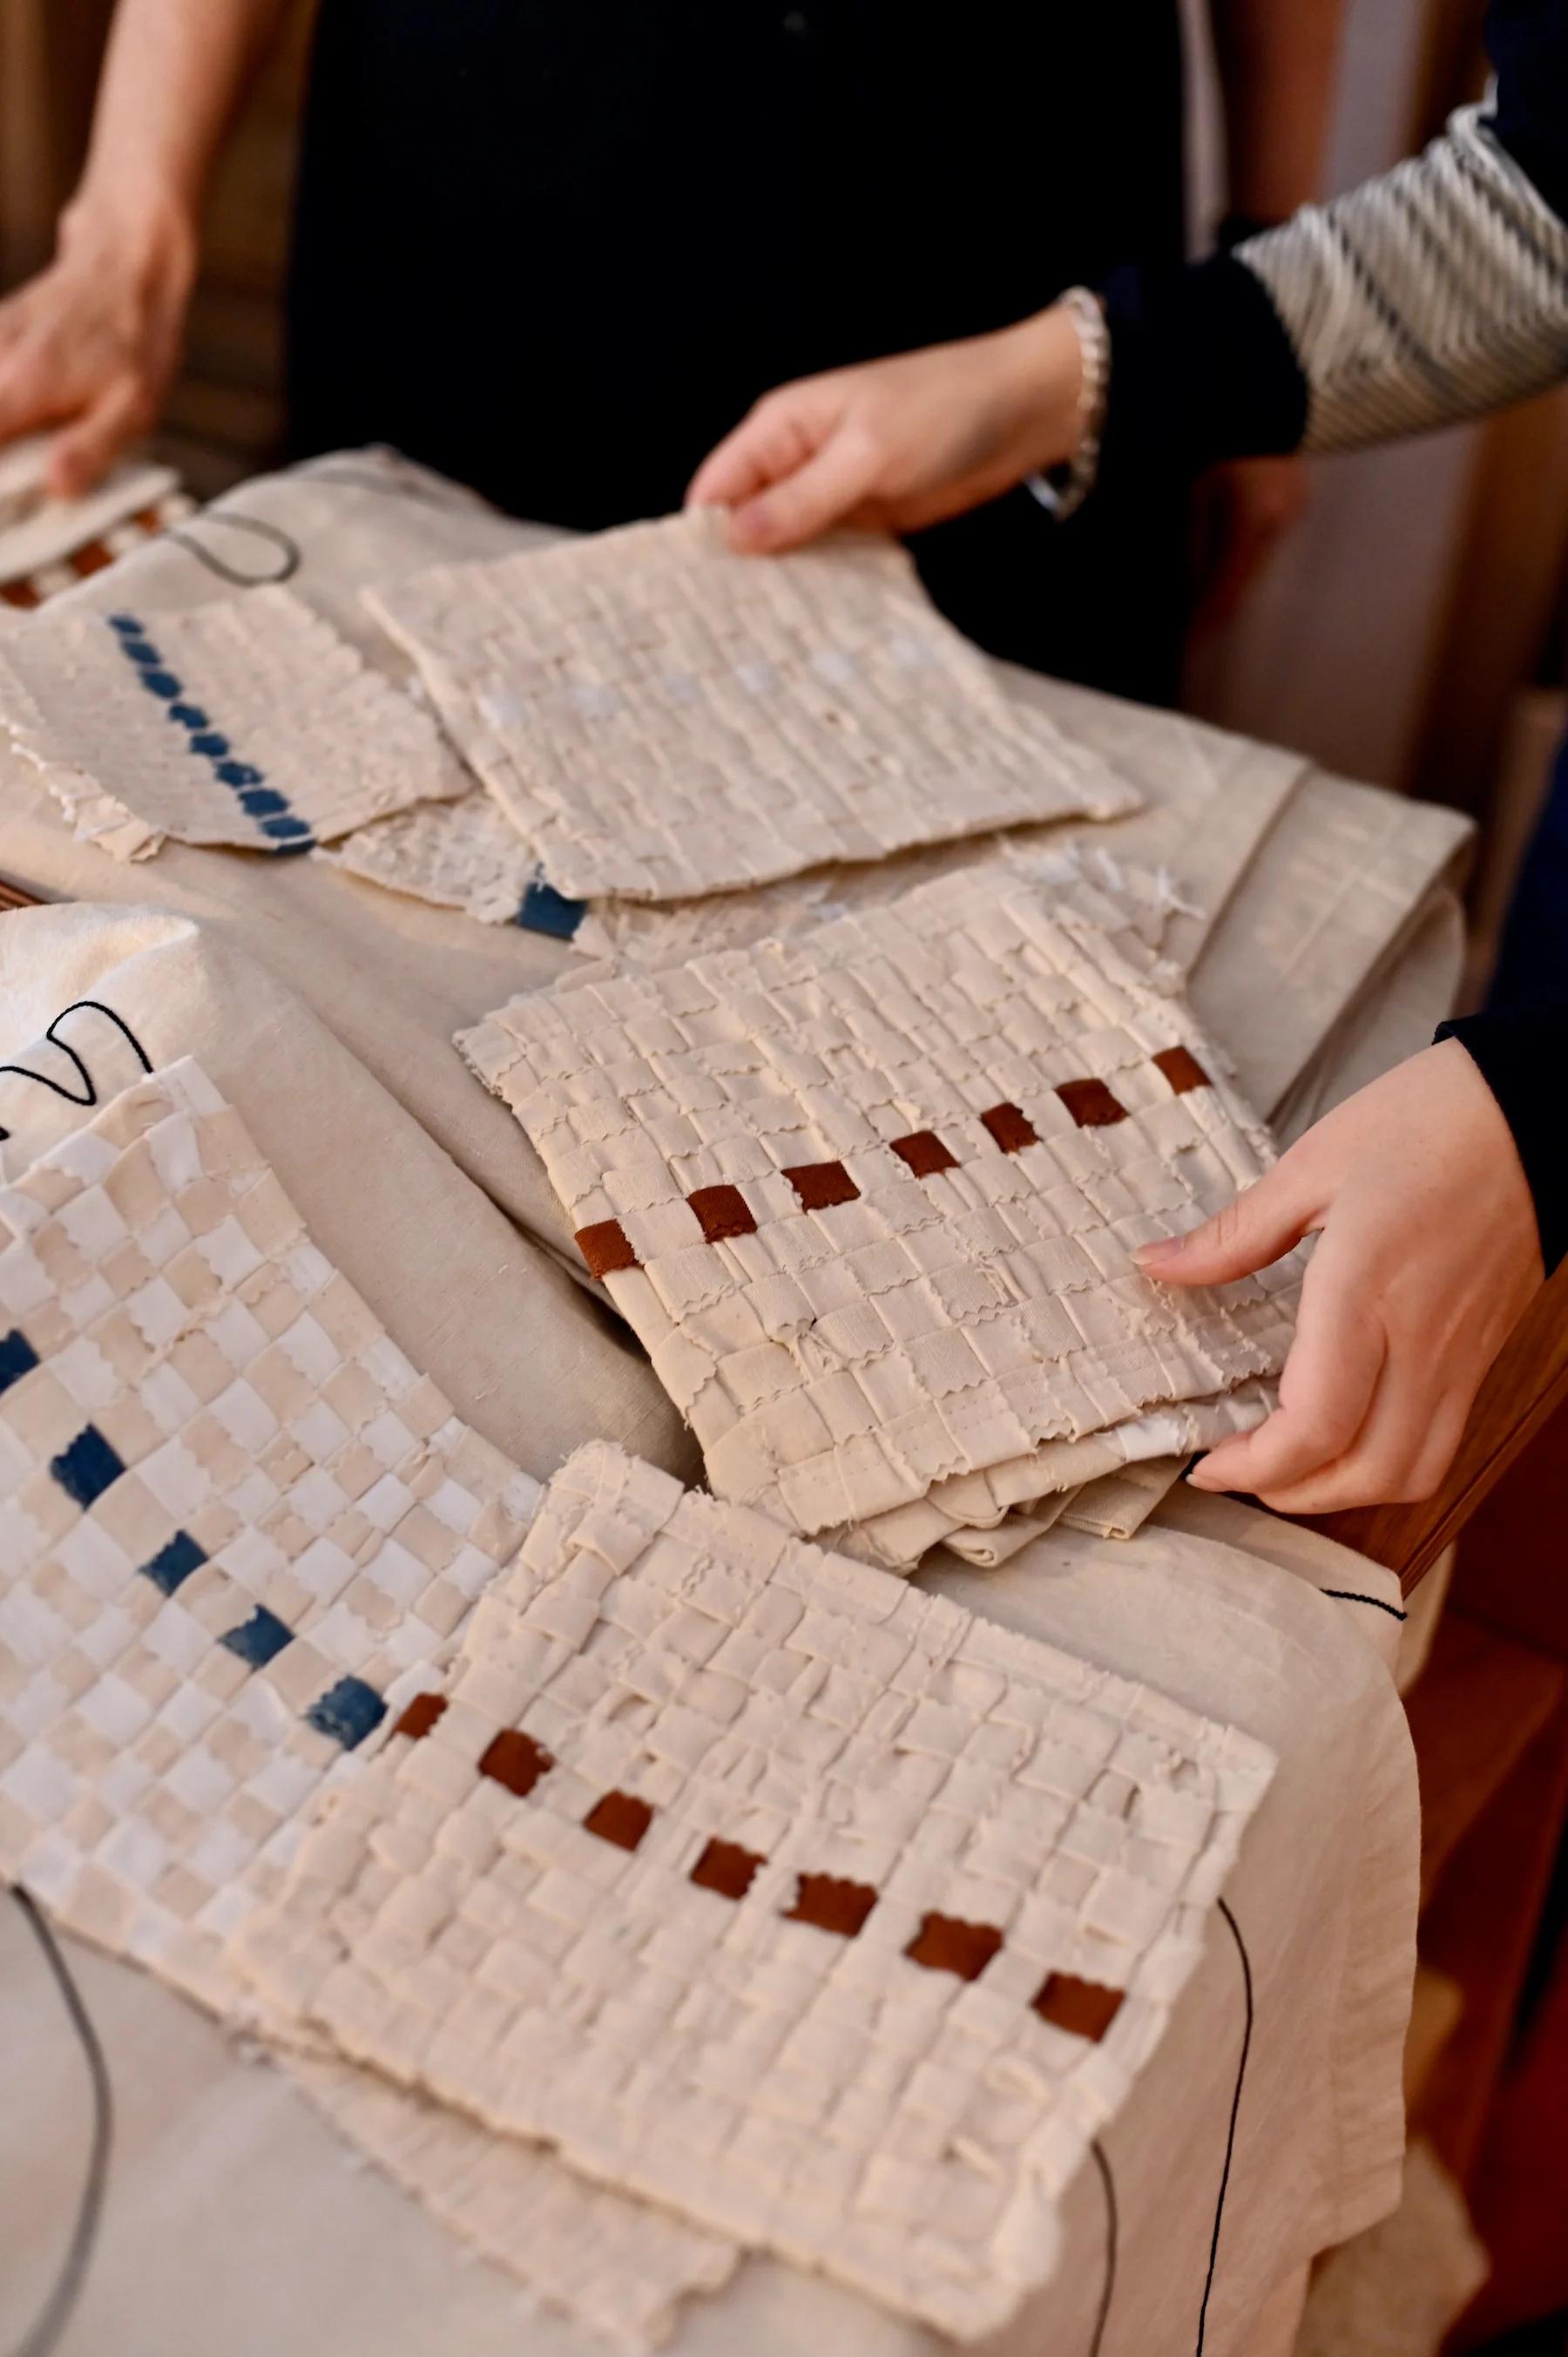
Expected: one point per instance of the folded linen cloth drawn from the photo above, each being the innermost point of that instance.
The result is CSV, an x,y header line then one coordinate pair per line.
x,y
867,1195
817,1909
248,722
660,716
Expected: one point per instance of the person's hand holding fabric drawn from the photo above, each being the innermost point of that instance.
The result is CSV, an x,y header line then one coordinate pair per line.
x,y
1428,1252
899,444
89,345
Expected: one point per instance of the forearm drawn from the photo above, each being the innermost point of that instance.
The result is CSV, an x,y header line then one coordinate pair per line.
x,y
173,75
1277,61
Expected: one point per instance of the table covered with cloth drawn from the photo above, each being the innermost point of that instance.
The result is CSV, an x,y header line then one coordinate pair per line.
x,y
1317,929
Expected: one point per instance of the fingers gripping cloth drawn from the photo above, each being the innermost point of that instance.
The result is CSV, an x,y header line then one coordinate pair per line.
x,y
764,1886
660,717
248,721
868,1196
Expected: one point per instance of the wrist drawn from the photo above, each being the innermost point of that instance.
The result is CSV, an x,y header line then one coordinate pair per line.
x,y
149,234
1044,370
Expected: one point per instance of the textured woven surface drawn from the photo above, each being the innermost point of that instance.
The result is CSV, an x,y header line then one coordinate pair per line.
x,y
459,855
661,717
768,1886
236,1521
867,1195
248,721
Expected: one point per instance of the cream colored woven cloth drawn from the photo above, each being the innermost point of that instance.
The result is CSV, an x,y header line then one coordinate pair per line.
x,y
248,722
661,717
769,1887
234,1519
867,1195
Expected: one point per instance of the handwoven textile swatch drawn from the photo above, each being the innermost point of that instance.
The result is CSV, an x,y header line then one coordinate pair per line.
x,y
771,1888
660,717
868,1195
248,721
235,1522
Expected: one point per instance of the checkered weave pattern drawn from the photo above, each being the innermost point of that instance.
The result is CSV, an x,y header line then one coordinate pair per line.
x,y
660,717
247,721
771,1888
236,1521
868,1194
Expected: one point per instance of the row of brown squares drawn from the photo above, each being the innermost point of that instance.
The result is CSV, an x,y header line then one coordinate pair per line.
x,y
724,1212
944,1943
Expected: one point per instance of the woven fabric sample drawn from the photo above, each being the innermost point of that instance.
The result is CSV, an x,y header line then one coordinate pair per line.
x,y
235,1523
868,1194
247,721
461,855
661,717
771,1888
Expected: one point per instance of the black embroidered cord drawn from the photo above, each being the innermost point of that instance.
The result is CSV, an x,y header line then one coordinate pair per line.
x,y
44,2334
1108,2182
89,1087
1349,1596
357,479
1230,2132
289,548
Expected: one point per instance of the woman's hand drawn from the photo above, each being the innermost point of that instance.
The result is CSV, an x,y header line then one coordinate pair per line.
x,y
900,443
1427,1255
90,344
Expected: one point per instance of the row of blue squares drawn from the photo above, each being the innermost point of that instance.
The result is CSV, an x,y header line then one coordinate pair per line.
x,y
263,802
281,829
189,716
174,1563
127,625
17,1358
259,1639
545,910
208,742
160,683
347,1712
240,774
86,1468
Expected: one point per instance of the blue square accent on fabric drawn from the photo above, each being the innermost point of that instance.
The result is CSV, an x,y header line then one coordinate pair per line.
x,y
127,625
240,774
293,850
208,742
258,1640
160,683
143,651
347,1712
17,1358
189,716
283,829
264,801
174,1563
545,910
86,1468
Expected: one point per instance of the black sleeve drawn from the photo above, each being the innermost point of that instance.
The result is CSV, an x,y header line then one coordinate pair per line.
x,y
1523,1059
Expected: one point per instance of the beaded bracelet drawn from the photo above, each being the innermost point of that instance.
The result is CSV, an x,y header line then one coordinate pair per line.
x,y
1062,490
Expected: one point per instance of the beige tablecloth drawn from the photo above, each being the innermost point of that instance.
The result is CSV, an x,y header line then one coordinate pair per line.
x,y
1321,944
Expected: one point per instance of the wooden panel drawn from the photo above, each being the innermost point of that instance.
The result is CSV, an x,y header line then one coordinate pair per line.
x,y
1473,1712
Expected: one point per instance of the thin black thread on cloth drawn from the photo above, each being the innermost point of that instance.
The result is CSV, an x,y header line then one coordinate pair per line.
x,y
44,2334
1230,2131
293,557
1350,1596
1109,2183
88,1086
361,478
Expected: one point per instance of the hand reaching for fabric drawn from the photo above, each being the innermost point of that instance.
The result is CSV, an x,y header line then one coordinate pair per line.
x,y
1427,1254
90,344
897,443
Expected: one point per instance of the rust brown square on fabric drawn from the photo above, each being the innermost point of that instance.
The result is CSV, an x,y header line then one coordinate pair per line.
x,y
620,1817
421,1716
1182,1069
722,1211
1091,1104
1087,2008
515,1761
727,1868
946,1944
924,1152
832,1904
1011,1127
607,1248
821,1185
